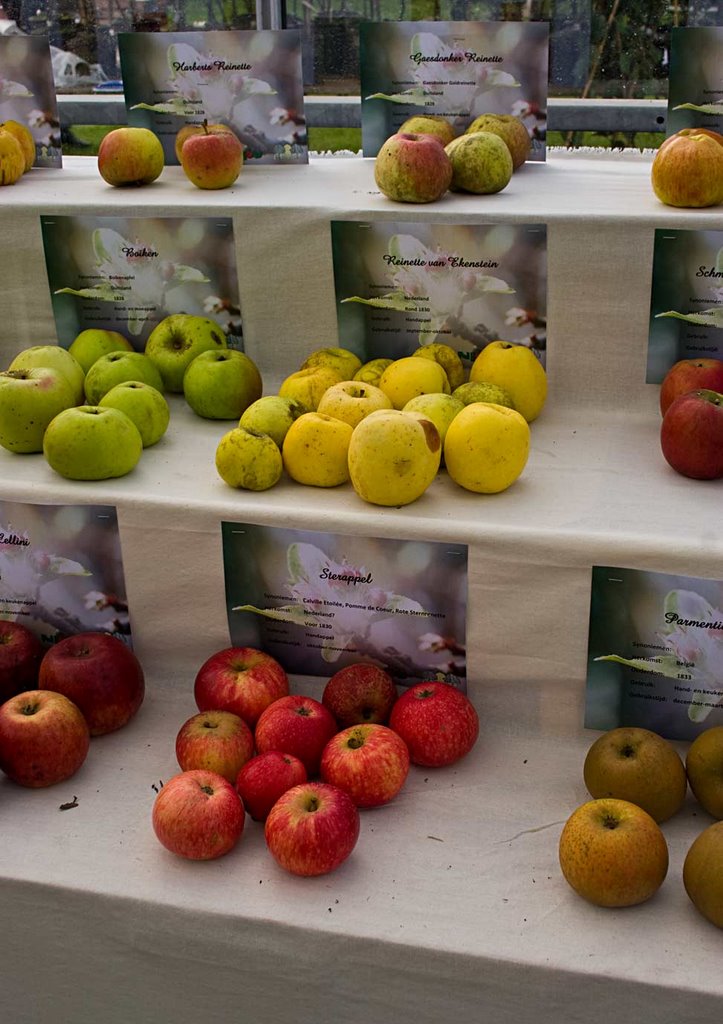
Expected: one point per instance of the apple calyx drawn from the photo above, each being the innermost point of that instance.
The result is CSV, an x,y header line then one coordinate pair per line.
x,y
304,711
627,751
210,725
312,803
423,694
610,821
31,708
209,790
355,741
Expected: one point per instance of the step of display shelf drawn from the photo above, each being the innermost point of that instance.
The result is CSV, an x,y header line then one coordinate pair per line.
x,y
451,907
596,491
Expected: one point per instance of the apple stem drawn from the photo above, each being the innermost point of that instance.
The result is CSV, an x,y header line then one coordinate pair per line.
x,y
205,126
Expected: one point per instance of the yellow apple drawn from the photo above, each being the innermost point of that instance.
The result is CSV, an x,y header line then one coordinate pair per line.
x,y
248,460
510,129
703,873
352,400
481,163
447,358
687,169
12,159
393,457
429,124
371,372
25,137
486,447
343,360
704,767
315,450
482,391
517,369
409,376
308,385
636,764
613,853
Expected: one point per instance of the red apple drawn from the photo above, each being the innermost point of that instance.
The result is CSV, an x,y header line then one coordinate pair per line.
x,y
312,828
187,130
264,778
690,375
687,170
242,680
438,723
358,693
20,655
296,725
369,762
691,435
100,674
411,168
198,815
44,738
217,741
130,156
211,159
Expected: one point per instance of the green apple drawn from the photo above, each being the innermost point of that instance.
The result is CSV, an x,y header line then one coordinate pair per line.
x,y
510,129
481,163
143,404
439,408
248,460
94,342
56,358
483,391
272,415
352,400
90,442
220,385
117,367
177,340
29,400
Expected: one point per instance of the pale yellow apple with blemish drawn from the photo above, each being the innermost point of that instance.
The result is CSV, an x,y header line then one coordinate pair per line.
x,y
486,447
343,360
613,853
24,136
352,400
308,385
703,873
315,450
510,129
409,376
429,124
371,371
638,765
247,460
517,370
447,358
12,159
393,457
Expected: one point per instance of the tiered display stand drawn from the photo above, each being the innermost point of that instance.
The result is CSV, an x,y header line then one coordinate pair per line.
x,y
452,907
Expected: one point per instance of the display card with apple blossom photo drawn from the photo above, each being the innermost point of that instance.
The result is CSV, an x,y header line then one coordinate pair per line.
x,y
686,303
250,81
454,69
655,652
126,274
27,94
320,601
695,79
400,285
61,569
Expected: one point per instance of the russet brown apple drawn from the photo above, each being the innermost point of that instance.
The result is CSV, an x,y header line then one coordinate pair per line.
x,y
704,766
703,873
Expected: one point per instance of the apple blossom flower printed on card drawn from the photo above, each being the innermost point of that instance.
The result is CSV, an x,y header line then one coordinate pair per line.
x,y
249,81
400,286
61,569
655,654
455,70
127,274
306,600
